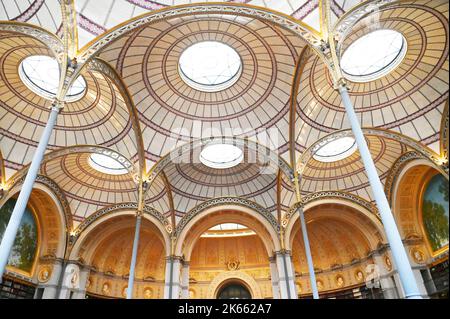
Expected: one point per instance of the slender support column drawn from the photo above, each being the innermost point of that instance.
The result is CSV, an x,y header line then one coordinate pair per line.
x,y
134,257
286,275
16,217
395,241
172,286
185,280
312,275
274,278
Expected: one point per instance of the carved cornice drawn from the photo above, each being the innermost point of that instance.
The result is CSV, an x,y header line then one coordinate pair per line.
x,y
226,201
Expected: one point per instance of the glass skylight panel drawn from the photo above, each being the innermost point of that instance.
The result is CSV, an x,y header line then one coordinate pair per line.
x,y
221,156
106,164
210,66
373,55
40,73
335,150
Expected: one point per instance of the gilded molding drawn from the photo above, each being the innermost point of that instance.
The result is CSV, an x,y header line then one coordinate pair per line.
x,y
224,201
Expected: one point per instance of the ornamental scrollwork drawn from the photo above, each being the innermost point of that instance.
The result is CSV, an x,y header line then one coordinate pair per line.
x,y
331,194
205,8
51,41
115,208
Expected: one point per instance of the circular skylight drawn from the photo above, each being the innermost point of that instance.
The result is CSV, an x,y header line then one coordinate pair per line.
x,y
221,156
40,73
373,55
106,164
335,150
210,66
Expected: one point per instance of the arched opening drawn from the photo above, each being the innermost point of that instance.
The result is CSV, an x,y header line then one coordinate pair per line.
x,y
234,290
228,246
422,214
341,240
40,235
107,250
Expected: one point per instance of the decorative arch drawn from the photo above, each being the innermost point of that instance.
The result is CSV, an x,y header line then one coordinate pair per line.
x,y
177,153
310,35
79,235
407,190
47,38
20,175
424,151
106,69
347,202
233,213
222,279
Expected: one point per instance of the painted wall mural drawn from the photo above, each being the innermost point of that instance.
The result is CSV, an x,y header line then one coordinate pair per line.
x,y
435,212
25,246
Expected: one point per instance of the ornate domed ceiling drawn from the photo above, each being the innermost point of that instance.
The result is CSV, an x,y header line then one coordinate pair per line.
x,y
279,109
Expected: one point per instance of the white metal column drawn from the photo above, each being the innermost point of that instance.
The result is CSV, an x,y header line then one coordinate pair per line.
x,y
16,217
395,241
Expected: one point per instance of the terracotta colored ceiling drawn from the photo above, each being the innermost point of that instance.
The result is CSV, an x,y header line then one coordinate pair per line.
x,y
410,100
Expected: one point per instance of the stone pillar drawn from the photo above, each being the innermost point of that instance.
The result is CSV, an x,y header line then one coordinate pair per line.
x,y
73,285
286,275
185,280
274,278
51,286
386,278
172,289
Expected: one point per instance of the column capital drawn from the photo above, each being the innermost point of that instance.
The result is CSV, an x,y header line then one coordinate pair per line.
x,y
341,83
57,105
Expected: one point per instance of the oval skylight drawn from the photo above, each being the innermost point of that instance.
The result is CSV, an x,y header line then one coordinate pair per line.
x,y
40,73
106,164
221,156
210,66
335,150
373,55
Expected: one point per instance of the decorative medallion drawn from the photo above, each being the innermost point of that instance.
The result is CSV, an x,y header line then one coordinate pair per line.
x,y
319,284
124,291
148,293
44,274
359,275
233,265
387,262
106,288
339,281
417,255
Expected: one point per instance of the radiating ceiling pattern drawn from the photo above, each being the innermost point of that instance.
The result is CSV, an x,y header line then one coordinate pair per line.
x,y
100,117
88,190
171,111
409,100
95,18
348,175
43,13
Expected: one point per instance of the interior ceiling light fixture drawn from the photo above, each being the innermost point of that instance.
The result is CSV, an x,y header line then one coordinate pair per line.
x,y
40,73
373,55
221,156
106,164
210,66
335,149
